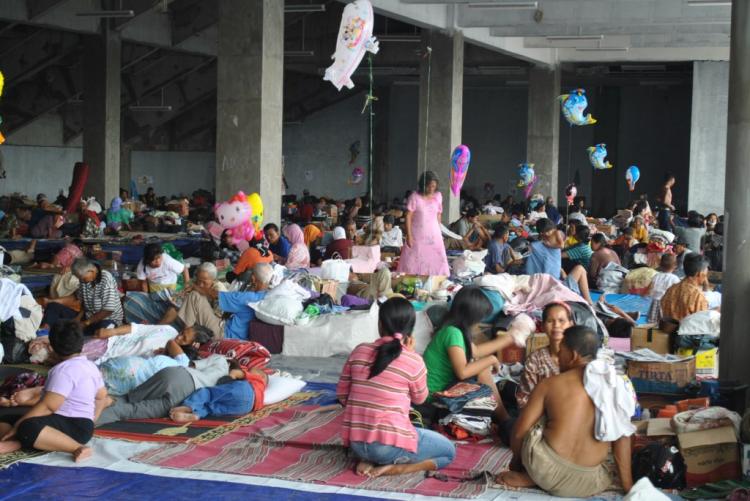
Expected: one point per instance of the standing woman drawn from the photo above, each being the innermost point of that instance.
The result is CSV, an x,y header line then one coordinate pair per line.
x,y
424,252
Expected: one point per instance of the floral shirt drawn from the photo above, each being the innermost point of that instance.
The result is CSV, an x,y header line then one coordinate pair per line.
x,y
539,366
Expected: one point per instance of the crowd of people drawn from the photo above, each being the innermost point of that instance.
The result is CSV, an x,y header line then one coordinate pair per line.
x,y
550,422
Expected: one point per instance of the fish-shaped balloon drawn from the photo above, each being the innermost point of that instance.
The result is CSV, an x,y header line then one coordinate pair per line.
x,y
573,105
526,178
460,160
358,174
355,38
632,175
571,191
598,156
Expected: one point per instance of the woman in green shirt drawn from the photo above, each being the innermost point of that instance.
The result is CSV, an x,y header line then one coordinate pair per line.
x,y
452,355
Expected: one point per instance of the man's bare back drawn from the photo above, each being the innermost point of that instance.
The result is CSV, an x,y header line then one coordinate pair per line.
x,y
569,429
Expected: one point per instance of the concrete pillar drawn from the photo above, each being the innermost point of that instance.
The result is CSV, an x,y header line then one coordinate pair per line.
x,y
440,116
735,343
101,113
708,136
250,82
543,128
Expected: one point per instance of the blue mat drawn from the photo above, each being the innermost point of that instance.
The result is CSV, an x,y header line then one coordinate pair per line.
x,y
627,302
36,282
30,481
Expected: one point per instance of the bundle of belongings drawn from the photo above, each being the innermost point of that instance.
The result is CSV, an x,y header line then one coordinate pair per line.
x,y
470,408
20,317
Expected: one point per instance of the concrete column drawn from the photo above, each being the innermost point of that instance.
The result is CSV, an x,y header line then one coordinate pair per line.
x,y
735,343
440,116
101,113
543,128
250,82
708,136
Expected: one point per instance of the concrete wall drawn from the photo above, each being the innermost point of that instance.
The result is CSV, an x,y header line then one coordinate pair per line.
x,y
708,136
175,172
316,152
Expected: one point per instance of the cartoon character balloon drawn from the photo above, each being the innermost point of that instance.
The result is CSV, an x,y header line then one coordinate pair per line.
x,y
355,38
358,174
460,160
256,204
571,191
527,178
598,156
573,105
632,175
235,216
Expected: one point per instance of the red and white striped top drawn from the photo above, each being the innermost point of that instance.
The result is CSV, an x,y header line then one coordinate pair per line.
x,y
377,409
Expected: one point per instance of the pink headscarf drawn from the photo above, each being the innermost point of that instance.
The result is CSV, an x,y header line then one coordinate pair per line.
x,y
299,254
67,255
294,234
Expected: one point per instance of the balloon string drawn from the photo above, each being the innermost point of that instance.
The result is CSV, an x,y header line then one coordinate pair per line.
x,y
427,109
370,99
570,161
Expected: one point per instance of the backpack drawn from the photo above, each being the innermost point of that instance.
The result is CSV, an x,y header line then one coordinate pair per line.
x,y
662,464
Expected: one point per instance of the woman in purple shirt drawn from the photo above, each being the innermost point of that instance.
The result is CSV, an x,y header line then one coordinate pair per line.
x,y
74,396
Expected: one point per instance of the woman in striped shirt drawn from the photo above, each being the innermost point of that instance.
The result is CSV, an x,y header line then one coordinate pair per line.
x,y
378,384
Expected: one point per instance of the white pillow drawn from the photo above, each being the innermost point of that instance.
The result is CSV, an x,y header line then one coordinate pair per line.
x,y
280,388
278,310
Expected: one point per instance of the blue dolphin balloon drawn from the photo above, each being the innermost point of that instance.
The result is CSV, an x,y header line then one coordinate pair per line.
x,y
598,156
527,178
573,105
632,175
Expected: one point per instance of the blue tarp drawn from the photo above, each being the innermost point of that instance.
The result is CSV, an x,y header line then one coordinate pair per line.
x,y
30,481
628,303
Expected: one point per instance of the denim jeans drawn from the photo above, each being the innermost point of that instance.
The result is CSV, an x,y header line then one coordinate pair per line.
x,y
231,399
431,445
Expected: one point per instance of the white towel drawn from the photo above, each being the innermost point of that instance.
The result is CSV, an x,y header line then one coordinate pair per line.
x,y
10,298
612,394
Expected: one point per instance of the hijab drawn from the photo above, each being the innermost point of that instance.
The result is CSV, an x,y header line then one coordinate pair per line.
x,y
311,233
294,234
116,204
339,233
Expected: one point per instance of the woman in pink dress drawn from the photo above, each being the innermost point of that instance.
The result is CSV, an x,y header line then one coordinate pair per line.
x,y
424,251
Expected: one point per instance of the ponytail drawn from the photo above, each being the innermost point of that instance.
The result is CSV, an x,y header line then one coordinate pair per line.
x,y
396,319
386,353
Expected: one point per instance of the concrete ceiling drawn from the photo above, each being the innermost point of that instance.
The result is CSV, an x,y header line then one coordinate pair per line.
x,y
169,51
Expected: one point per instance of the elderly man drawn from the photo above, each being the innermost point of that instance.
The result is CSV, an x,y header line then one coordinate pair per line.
x,y
555,441
197,307
205,279
686,297
98,296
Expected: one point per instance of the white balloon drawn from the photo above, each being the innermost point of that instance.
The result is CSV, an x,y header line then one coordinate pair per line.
x,y
355,38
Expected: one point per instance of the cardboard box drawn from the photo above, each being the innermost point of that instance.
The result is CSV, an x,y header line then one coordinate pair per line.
x,y
648,336
710,455
536,342
609,230
489,220
706,362
661,377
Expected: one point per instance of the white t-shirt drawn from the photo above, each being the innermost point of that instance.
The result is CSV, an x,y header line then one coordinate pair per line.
x,y
660,283
392,238
165,274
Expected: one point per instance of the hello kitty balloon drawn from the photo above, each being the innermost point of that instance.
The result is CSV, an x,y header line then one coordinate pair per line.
x,y
235,216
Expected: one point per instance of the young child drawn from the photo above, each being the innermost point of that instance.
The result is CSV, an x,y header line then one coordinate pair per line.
x,y
452,355
392,239
378,384
581,252
74,396
500,257
640,232
122,374
230,397
158,271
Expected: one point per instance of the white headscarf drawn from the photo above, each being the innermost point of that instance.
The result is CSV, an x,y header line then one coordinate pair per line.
x,y
339,233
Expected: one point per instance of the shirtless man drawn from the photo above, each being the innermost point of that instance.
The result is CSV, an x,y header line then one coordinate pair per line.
x,y
553,440
665,197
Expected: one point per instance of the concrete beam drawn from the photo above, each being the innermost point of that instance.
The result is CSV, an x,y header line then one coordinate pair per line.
x,y
661,54
443,17
664,40
61,16
544,30
583,12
